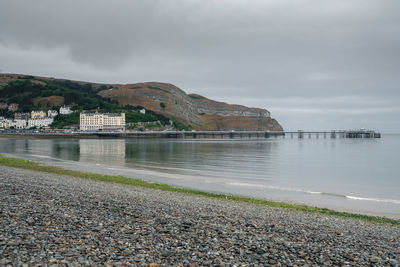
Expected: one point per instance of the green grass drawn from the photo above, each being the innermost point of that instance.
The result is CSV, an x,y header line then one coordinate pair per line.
x,y
30,165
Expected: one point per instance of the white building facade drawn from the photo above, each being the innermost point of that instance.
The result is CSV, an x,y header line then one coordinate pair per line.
x,y
38,123
65,110
7,123
21,124
52,113
102,121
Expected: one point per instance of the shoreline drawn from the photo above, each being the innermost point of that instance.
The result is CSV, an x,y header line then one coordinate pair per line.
x,y
36,166
155,178
48,218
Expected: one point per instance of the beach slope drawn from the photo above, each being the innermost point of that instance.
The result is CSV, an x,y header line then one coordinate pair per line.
x,y
56,219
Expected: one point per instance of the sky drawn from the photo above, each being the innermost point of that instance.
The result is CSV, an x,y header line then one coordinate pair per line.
x,y
314,64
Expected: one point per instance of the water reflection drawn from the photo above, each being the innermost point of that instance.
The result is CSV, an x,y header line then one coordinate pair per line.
x,y
102,151
69,150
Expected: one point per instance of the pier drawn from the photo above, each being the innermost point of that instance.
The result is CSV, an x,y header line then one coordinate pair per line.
x,y
244,134
203,134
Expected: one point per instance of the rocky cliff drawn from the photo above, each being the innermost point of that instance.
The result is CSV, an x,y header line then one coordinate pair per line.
x,y
199,111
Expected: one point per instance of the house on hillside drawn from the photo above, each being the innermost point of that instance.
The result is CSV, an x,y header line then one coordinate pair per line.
x,y
38,114
52,113
13,107
65,110
3,105
22,116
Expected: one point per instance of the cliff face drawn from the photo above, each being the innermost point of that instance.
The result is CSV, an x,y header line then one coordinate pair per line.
x,y
202,113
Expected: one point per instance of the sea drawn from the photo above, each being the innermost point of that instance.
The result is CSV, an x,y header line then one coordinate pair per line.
x,y
352,175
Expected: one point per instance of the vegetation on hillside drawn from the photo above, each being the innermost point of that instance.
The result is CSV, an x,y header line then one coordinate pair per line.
x,y
194,96
179,125
131,117
23,92
63,120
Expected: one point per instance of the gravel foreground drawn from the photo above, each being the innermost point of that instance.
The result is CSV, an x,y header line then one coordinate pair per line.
x,y
48,219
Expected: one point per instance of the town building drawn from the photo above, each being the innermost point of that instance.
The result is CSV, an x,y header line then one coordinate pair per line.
x,y
41,122
38,114
13,107
21,124
143,111
102,121
65,110
22,116
3,105
7,123
52,113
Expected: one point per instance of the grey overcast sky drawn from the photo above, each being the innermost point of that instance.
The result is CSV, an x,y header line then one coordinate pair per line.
x,y
314,64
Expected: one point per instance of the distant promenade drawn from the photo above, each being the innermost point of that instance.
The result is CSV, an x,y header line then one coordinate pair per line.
x,y
206,134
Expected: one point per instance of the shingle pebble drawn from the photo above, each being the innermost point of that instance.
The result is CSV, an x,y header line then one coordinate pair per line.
x,y
48,219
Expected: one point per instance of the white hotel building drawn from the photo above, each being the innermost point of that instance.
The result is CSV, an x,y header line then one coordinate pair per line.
x,y
102,121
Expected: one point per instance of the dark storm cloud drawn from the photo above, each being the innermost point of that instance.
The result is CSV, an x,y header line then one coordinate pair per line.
x,y
302,58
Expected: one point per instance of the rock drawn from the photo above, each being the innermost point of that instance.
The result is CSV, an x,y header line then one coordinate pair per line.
x,y
373,259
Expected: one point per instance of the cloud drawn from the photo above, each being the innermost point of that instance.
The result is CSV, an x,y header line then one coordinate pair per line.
x,y
241,51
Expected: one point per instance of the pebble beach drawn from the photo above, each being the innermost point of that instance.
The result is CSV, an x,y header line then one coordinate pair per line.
x,y
49,219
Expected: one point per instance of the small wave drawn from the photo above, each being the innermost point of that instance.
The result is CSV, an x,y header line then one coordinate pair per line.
x,y
393,201
42,156
333,195
275,188
115,169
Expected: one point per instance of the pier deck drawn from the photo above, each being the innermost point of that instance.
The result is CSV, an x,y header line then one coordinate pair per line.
x,y
204,134
246,134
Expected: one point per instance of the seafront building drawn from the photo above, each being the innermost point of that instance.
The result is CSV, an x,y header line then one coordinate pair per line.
x,y
25,121
20,123
41,122
7,123
102,121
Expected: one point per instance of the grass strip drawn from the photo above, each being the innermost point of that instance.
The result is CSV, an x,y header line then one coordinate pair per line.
x,y
31,165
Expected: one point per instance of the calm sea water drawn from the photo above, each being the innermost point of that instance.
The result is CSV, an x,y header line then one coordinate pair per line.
x,y
357,175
